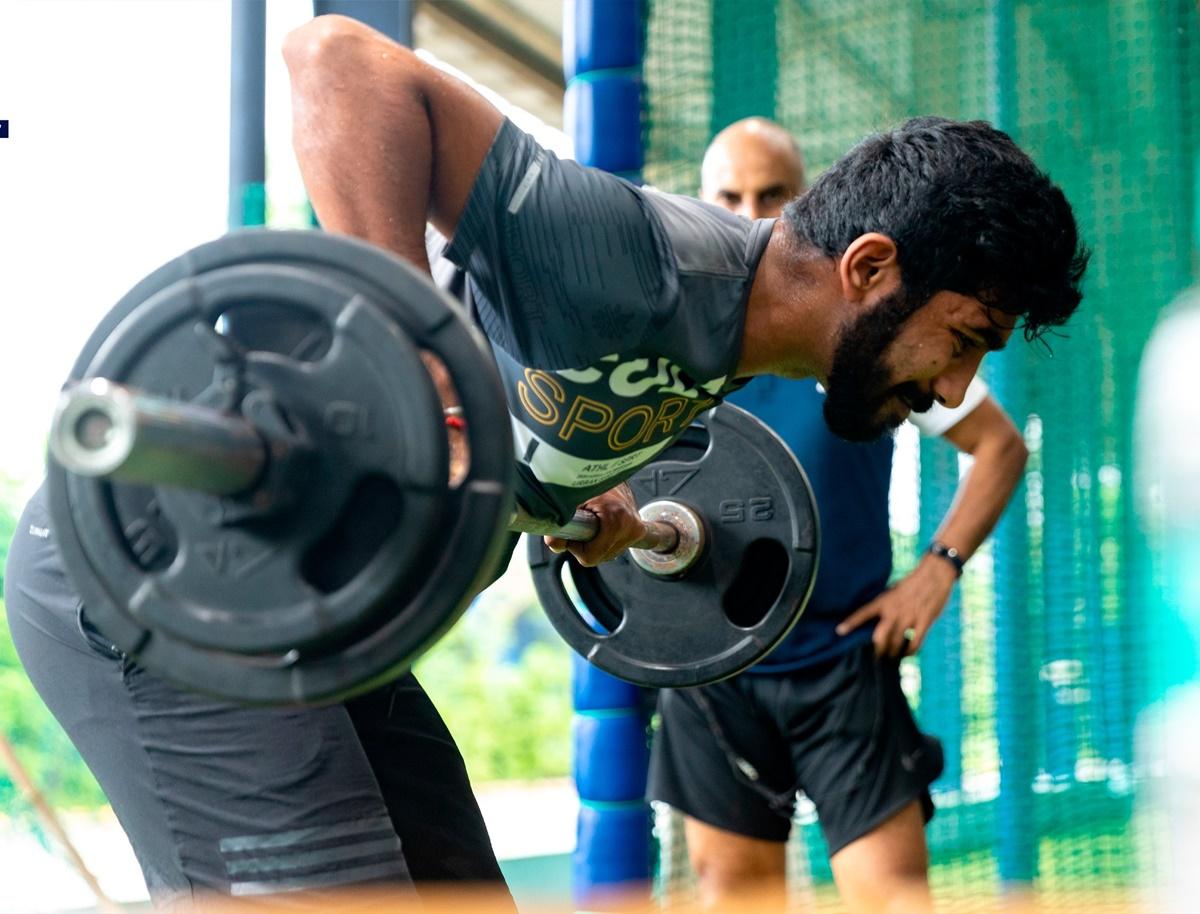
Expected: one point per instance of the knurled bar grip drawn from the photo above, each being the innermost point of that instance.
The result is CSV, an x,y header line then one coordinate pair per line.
x,y
659,536
102,429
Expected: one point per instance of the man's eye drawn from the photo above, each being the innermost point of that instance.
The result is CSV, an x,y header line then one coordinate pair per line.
x,y
961,343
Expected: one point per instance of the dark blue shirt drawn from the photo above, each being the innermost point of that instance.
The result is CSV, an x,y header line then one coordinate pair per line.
x,y
851,485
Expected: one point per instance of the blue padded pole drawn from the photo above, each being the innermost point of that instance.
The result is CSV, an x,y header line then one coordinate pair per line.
x,y
247,104
602,61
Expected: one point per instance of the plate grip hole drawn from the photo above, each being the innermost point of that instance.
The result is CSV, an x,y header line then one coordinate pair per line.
x,y
594,601
758,583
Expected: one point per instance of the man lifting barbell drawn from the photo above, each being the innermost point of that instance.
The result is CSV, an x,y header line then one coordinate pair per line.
x,y
615,316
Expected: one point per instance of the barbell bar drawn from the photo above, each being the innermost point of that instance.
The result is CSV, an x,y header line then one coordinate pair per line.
x,y
106,430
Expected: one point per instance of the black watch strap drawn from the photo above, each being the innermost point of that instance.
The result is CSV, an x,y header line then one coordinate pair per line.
x,y
949,553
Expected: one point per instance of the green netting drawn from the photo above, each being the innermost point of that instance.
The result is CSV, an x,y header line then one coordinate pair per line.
x,y
1036,674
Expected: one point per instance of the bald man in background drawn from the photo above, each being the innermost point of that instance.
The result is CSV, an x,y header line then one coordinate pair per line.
x,y
825,714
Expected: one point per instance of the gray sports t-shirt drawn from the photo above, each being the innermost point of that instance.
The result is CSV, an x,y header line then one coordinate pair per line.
x,y
615,313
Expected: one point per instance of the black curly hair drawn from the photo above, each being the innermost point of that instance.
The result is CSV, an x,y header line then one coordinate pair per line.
x,y
969,212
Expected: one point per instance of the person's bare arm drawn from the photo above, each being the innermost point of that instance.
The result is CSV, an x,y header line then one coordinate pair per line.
x,y
385,141
987,434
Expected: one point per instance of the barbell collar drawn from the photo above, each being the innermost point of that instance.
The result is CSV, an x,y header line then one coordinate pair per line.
x,y
689,538
102,429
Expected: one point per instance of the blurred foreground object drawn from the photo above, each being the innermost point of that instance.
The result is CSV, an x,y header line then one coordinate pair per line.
x,y
460,900
1168,440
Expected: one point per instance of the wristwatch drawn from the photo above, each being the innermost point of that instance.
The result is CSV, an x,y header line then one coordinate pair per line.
x,y
949,553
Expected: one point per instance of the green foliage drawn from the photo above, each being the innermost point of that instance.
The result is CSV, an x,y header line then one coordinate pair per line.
x,y
38,740
501,679
8,521
43,747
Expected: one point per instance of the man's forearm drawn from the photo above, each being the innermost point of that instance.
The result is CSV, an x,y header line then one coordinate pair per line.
x,y
983,494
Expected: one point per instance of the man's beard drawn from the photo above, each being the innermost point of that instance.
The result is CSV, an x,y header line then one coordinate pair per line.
x,y
858,387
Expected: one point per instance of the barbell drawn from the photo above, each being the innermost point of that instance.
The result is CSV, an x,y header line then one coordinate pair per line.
x,y
251,479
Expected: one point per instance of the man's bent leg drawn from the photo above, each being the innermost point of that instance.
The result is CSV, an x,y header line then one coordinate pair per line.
x,y
731,867
424,781
215,797
717,760
886,870
868,770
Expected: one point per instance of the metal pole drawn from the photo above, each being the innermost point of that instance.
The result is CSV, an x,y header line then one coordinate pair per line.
x,y
247,106
392,17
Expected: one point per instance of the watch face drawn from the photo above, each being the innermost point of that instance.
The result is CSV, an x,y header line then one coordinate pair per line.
x,y
949,553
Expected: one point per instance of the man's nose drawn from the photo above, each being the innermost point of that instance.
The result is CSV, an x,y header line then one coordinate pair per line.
x,y
750,209
950,387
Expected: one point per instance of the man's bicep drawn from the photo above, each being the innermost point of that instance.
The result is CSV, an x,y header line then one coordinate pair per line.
x,y
463,124
569,263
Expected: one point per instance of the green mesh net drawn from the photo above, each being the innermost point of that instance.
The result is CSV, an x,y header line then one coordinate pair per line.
x,y
1035,676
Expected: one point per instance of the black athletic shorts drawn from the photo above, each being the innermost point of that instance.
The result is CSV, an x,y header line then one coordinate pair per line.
x,y
219,797
734,754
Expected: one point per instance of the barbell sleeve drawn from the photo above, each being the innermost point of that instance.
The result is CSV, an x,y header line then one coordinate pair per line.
x,y
104,429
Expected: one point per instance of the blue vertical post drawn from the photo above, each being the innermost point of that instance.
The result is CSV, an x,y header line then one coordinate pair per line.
x,y
247,104
1063,664
610,756
602,59
1016,824
941,657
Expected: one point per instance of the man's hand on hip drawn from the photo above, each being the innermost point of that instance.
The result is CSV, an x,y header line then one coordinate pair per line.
x,y
911,606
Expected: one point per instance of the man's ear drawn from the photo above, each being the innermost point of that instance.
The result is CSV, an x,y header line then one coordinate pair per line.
x,y
869,268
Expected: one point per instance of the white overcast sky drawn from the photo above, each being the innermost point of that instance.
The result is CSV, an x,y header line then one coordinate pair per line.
x,y
116,161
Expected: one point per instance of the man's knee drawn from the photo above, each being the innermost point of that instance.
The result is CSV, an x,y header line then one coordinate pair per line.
x,y
730,871
725,861
887,868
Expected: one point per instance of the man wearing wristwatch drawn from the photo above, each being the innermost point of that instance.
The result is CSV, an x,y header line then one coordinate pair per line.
x,y
824,713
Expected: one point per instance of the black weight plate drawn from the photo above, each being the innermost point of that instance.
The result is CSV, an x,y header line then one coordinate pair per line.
x,y
376,635
737,601
242,587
